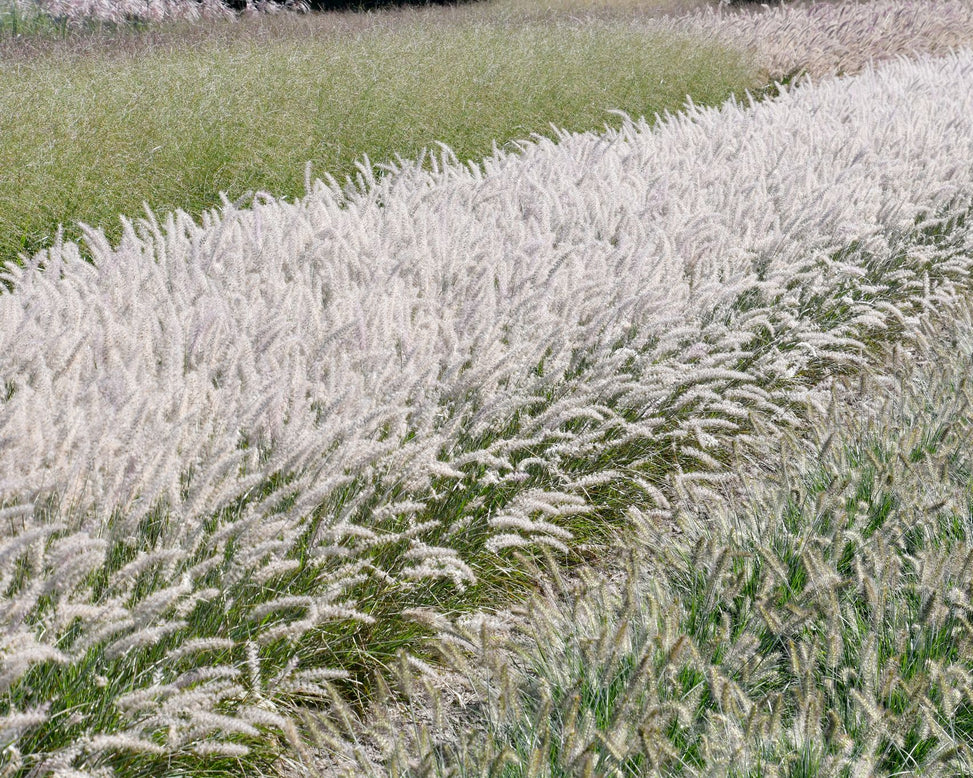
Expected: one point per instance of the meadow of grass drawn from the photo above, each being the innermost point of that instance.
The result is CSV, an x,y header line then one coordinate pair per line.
x,y
173,123
251,465
98,120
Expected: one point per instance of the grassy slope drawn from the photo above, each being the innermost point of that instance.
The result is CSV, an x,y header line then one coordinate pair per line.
x,y
94,130
233,153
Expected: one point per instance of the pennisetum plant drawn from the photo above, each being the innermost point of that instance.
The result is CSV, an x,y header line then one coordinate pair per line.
x,y
248,462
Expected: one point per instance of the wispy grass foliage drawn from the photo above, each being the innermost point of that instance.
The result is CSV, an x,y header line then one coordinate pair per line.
x,y
244,460
817,623
60,17
175,122
822,39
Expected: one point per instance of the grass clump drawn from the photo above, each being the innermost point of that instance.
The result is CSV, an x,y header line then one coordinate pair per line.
x,y
329,482
815,622
31,23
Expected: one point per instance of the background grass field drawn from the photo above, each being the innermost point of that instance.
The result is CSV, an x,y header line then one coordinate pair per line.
x,y
96,125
